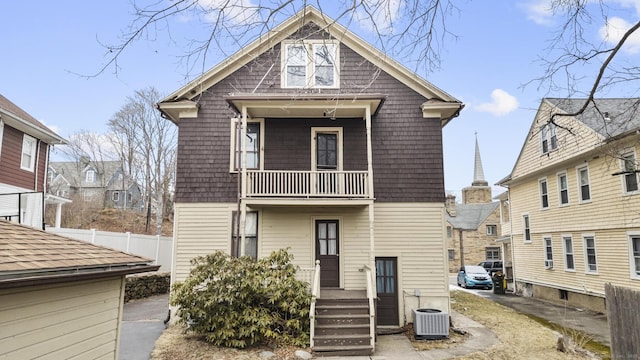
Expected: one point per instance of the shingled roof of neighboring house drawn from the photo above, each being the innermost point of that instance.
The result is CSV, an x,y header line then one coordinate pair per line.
x,y
29,255
471,216
21,120
608,117
72,172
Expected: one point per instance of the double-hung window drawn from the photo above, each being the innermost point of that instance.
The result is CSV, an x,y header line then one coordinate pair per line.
x,y
548,252
310,64
563,189
90,176
634,247
544,194
251,233
567,243
27,162
526,227
492,230
549,139
591,261
629,167
253,140
492,253
583,182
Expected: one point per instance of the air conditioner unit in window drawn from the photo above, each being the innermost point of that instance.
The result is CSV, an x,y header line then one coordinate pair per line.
x,y
548,264
430,324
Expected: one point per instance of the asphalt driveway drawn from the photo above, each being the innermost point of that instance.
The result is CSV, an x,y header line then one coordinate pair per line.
x,y
142,325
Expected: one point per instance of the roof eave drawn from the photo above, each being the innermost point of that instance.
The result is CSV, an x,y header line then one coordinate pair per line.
x,y
27,127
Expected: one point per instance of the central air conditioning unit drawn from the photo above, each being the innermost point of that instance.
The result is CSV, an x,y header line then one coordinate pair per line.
x,y
430,324
548,264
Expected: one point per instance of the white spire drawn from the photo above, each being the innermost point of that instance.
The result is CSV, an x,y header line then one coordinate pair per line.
x,y
478,173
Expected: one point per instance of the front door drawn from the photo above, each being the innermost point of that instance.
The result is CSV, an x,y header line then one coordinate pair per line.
x,y
387,288
327,247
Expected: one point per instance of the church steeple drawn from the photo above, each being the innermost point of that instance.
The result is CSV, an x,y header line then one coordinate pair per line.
x,y
478,172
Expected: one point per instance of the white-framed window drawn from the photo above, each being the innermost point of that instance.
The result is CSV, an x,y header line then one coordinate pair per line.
x,y
115,196
326,148
526,228
583,183
90,176
590,258
630,176
250,247
548,137
634,254
254,140
492,230
563,189
544,193
310,64
28,160
548,251
492,253
567,247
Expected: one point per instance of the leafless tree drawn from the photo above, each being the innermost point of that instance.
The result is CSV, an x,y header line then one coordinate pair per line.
x,y
146,143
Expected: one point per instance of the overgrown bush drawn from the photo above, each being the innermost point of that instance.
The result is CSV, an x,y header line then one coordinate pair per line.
x,y
238,302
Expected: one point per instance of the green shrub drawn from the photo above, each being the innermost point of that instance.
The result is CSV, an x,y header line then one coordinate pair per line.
x,y
238,302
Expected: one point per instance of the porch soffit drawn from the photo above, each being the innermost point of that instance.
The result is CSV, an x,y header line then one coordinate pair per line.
x,y
326,106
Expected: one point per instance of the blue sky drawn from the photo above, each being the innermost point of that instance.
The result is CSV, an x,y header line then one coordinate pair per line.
x,y
47,44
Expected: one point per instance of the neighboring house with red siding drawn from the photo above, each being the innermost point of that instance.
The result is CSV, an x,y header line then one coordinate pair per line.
x,y
24,153
341,162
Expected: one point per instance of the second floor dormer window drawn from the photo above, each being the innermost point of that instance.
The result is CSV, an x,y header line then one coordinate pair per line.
x,y
310,64
90,176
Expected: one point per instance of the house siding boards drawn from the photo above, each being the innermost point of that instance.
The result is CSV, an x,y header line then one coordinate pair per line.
x,y
608,216
11,156
405,142
61,321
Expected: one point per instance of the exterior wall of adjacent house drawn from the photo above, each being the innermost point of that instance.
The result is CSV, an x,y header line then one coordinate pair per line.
x,y
610,216
475,242
63,321
11,151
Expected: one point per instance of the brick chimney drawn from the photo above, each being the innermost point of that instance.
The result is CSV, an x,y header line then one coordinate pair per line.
x,y
450,204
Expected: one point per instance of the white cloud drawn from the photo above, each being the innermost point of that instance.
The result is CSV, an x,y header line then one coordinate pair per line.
x,y
539,11
235,11
613,31
502,103
382,13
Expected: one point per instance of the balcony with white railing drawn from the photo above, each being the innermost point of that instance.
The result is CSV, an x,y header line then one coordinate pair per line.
x,y
308,184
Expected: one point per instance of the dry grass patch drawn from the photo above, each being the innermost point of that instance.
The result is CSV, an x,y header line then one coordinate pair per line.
x,y
519,336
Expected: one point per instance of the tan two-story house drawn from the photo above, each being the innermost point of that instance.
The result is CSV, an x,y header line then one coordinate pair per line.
x,y
574,197
311,139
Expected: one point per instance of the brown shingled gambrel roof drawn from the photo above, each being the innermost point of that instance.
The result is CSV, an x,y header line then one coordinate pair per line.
x,y
29,254
17,118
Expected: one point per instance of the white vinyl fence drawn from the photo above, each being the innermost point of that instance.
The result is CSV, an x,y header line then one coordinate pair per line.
x,y
158,248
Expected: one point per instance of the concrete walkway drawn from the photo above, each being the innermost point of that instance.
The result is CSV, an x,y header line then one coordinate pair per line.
x,y
142,325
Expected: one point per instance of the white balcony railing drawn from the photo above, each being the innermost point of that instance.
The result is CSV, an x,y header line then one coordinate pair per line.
x,y
306,184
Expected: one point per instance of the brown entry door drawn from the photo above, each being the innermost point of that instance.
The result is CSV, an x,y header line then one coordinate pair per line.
x,y
327,247
387,287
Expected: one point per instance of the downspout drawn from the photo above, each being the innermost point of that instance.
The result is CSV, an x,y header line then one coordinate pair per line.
x,y
461,248
235,251
243,209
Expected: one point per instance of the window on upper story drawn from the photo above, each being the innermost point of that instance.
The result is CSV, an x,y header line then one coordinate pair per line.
x,y
590,261
567,243
90,176
452,254
115,196
629,166
492,230
544,194
634,254
253,141
27,162
310,64
549,139
563,189
583,182
526,227
449,231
